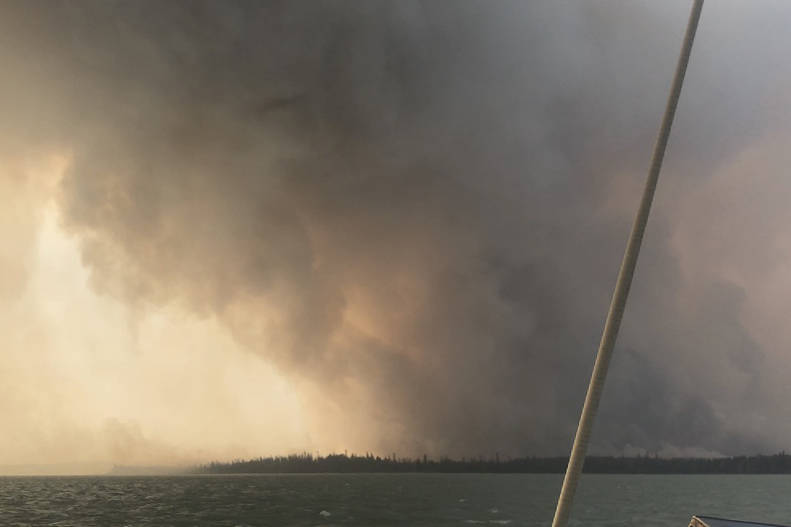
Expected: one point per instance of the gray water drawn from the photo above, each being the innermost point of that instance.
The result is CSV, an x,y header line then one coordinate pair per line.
x,y
386,499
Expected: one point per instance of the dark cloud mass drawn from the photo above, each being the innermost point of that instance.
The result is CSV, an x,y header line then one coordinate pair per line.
x,y
419,207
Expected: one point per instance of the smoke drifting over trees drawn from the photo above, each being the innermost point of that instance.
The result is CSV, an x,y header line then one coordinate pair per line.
x,y
419,207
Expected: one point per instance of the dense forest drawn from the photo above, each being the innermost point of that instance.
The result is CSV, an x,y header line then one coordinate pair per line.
x,y
308,463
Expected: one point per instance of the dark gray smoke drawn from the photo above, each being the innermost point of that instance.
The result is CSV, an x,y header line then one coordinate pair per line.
x,y
420,206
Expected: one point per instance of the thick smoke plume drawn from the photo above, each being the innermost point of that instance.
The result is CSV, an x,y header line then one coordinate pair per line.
x,y
419,207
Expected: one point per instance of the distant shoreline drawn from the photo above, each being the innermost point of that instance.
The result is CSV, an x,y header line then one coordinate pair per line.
x,y
341,463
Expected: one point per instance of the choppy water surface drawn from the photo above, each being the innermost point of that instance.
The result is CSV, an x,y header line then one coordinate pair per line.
x,y
387,499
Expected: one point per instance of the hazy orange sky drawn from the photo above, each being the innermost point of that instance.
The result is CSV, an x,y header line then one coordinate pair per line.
x,y
233,230
90,379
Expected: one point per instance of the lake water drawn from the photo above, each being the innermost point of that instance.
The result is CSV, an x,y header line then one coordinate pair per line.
x,y
386,499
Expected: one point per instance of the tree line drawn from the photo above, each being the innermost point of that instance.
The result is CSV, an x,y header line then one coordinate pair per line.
x,y
342,463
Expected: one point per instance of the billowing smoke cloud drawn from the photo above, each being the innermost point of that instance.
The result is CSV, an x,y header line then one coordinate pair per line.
x,y
420,207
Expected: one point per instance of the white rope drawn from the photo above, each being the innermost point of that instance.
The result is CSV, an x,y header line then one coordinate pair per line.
x,y
623,284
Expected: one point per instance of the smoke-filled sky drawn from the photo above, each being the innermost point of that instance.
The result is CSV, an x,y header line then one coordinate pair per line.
x,y
235,229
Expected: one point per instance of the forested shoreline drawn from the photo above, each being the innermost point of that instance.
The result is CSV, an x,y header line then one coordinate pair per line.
x,y
342,463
